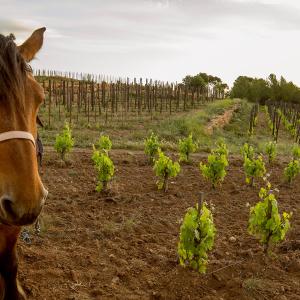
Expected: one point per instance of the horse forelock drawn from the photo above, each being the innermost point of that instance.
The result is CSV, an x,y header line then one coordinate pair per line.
x,y
12,71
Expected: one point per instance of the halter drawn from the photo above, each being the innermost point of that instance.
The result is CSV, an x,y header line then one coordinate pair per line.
x,y
13,135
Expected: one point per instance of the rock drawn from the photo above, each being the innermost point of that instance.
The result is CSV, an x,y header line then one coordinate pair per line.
x,y
246,252
115,280
232,239
112,257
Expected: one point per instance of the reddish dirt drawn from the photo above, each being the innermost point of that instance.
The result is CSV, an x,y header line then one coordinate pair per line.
x,y
122,245
221,120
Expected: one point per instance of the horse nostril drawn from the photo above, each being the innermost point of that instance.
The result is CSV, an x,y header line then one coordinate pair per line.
x,y
7,205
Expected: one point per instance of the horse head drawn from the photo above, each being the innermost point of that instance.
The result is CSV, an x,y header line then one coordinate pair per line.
x,y
22,194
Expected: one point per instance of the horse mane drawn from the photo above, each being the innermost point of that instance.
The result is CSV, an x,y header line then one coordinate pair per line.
x,y
12,70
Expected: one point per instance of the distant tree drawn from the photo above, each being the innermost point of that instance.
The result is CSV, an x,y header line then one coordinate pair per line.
x,y
202,83
275,92
242,87
260,90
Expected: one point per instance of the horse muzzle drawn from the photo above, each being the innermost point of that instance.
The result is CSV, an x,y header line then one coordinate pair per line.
x,y
15,213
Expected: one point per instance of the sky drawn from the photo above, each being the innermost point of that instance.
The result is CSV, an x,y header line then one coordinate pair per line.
x,y
162,39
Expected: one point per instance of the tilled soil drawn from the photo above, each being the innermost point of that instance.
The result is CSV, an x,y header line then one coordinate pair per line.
x,y
123,244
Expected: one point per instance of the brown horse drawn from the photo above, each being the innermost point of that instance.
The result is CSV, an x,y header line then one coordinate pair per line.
x,y
22,194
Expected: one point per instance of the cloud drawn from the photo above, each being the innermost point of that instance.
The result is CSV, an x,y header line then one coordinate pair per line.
x,y
11,26
167,37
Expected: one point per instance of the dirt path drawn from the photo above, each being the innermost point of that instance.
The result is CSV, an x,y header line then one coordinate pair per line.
x,y
221,120
123,245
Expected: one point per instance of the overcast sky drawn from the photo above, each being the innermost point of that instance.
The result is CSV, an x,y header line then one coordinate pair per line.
x,y
161,39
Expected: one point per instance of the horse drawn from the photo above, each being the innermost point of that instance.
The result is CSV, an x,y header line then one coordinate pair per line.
x,y
22,194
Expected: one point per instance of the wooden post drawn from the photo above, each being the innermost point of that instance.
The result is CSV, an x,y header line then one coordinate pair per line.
x,y
49,101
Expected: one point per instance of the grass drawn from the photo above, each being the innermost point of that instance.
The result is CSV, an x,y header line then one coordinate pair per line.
x,y
195,122
131,134
170,128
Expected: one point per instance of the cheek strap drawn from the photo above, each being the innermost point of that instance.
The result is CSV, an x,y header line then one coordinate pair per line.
x,y
13,135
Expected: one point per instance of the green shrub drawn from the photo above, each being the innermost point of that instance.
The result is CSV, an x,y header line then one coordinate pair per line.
x,y
104,144
221,149
186,147
105,169
215,169
165,168
197,234
265,221
152,147
254,168
292,170
64,142
271,151
296,152
247,151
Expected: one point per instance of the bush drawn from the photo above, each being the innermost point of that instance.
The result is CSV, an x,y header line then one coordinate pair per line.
x,y
247,151
197,234
215,169
105,169
152,147
186,147
296,152
271,151
104,144
165,168
291,171
221,149
64,142
265,221
254,168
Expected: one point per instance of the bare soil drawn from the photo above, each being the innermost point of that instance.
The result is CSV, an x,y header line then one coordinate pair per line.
x,y
123,244
221,120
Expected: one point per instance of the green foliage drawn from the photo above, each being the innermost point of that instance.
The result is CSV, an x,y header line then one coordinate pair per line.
x,y
296,152
215,169
271,151
165,168
247,151
105,168
64,142
265,221
287,124
152,147
221,149
253,89
254,168
260,90
104,144
292,170
197,234
186,146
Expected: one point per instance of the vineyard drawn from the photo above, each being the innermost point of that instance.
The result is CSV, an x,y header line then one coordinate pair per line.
x,y
90,100
164,183
120,217
123,244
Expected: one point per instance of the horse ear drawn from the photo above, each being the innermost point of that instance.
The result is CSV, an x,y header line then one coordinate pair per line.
x,y
33,44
